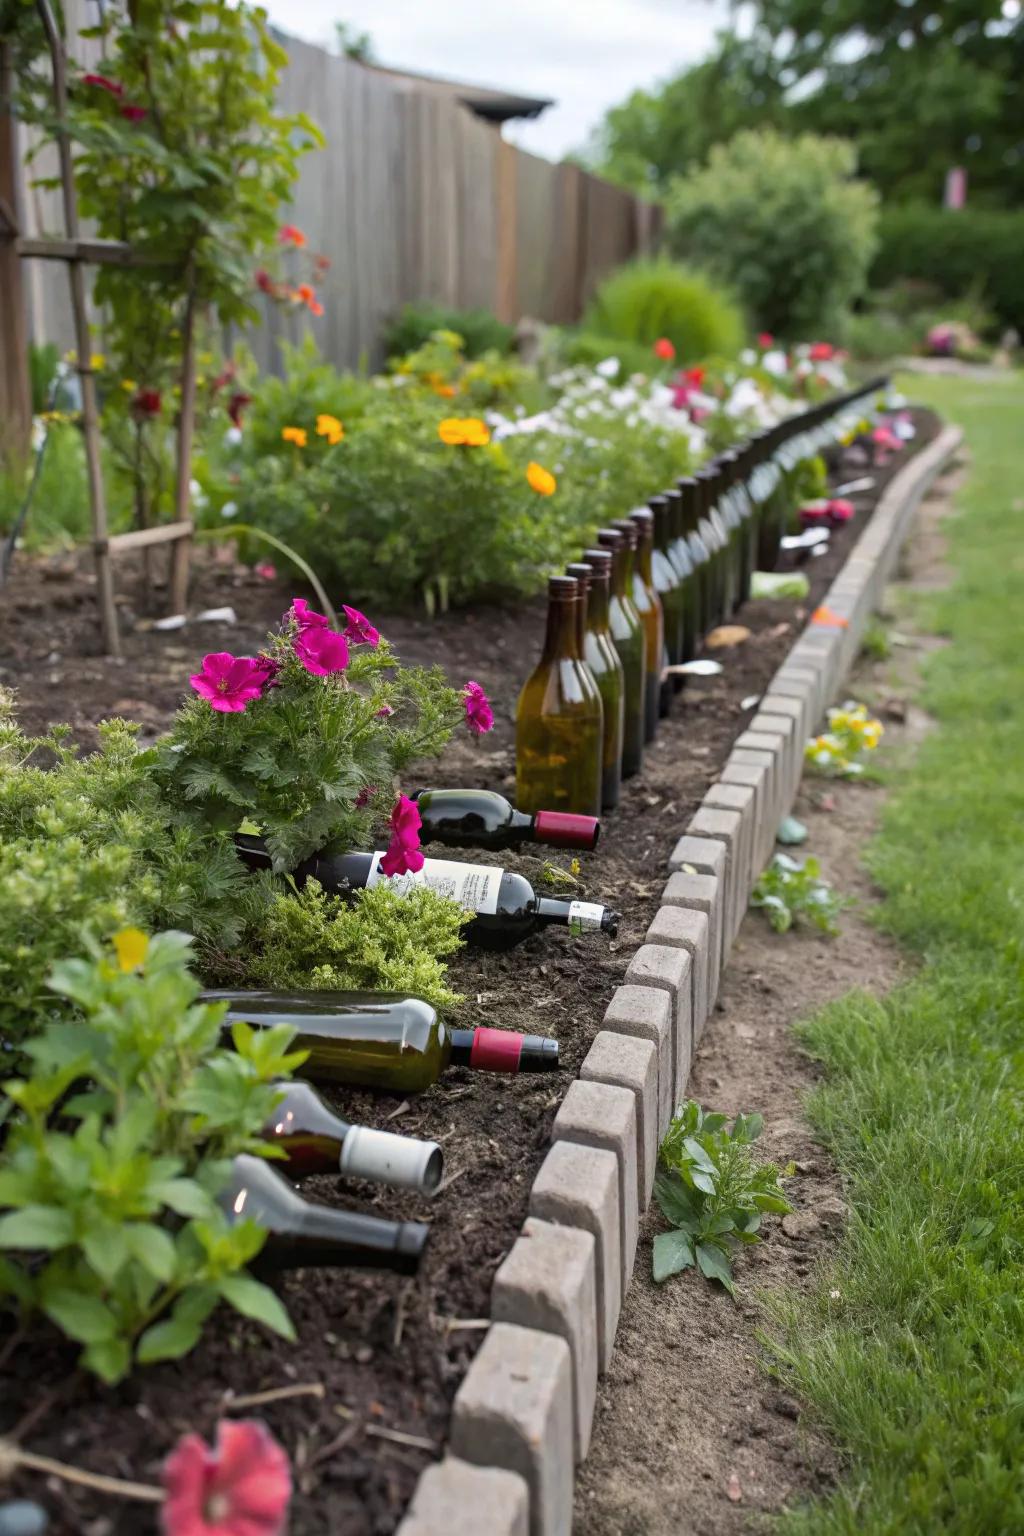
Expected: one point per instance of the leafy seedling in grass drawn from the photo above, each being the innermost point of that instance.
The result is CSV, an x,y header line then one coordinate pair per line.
x,y
788,891
712,1190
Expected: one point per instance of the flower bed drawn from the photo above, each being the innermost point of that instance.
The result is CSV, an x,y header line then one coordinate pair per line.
x,y
385,1355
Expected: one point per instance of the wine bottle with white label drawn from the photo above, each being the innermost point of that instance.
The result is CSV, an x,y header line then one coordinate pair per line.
x,y
316,1140
386,1040
505,907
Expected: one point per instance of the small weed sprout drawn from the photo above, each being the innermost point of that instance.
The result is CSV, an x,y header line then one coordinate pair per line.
x,y
787,891
713,1192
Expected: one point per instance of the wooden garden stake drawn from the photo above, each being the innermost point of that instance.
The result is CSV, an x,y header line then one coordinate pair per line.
x,y
90,417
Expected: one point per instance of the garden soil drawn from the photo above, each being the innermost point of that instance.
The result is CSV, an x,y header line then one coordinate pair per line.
x,y
378,1358
693,1436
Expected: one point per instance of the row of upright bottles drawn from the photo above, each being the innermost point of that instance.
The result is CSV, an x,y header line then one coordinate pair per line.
x,y
638,605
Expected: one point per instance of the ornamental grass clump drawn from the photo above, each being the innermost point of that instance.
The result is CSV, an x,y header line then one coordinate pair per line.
x,y
119,1139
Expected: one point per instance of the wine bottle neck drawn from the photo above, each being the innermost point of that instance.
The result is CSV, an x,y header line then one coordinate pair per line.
x,y
502,1050
597,607
578,916
561,640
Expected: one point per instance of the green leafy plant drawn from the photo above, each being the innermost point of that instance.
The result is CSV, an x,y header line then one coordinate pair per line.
x,y
381,940
119,1142
713,1191
648,300
479,330
788,891
955,256
783,221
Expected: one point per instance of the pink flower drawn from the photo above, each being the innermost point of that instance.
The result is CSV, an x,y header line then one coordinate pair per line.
x,y
479,715
681,396
359,629
305,616
104,84
384,713
267,571
766,341
886,442
243,1488
664,349
821,351
840,510
321,651
403,852
134,114
229,682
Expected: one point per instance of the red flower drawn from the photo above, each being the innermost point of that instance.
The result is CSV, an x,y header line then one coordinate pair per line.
x,y
664,349
224,377
289,235
104,84
316,308
694,377
236,405
403,852
264,282
765,340
134,114
146,402
321,651
359,629
821,351
479,715
322,263
243,1488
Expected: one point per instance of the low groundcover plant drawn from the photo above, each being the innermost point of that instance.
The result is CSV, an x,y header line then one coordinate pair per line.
x,y
788,891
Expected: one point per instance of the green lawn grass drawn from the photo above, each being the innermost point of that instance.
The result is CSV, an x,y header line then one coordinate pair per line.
x,y
916,1368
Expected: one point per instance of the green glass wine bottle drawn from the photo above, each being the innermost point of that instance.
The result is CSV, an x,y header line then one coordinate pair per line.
x,y
669,586
559,719
602,658
630,644
648,605
710,532
700,554
682,558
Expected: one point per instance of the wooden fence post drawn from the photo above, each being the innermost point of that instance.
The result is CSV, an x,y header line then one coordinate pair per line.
x,y
506,303
15,395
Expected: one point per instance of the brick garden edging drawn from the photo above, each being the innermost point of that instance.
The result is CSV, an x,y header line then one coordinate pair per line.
x,y
522,1418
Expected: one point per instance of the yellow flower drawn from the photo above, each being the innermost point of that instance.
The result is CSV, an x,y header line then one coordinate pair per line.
x,y
540,479
871,734
131,945
464,431
129,386
297,435
97,360
331,428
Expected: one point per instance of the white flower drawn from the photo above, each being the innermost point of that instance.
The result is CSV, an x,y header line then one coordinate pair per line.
x,y
774,362
609,368
233,436
748,357
229,509
197,493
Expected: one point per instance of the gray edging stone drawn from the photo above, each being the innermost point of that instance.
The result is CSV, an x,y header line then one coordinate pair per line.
x,y
524,1410
668,970
603,1115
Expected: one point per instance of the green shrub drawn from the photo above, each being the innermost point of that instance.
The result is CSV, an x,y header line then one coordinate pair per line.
x,y
586,349
308,387
784,223
112,1229
415,323
647,300
957,252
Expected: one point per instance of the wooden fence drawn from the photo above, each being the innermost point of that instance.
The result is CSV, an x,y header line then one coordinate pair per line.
x,y
413,198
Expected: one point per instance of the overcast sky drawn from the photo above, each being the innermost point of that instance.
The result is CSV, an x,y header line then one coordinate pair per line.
x,y
586,54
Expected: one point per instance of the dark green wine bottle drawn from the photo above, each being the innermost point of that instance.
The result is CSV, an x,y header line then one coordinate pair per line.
x,y
559,719
601,657
669,586
631,645
683,560
648,606
691,493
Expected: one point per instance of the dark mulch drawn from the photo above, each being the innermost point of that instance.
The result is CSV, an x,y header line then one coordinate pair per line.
x,y
389,1353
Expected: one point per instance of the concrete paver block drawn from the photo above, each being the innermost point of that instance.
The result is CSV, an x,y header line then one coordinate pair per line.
x,y
548,1281
602,1115
656,965
631,1062
702,893
726,827
756,776
454,1498
741,798
514,1410
685,928
578,1186
646,1013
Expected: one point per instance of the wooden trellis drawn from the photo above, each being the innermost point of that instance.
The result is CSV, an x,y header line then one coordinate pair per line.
x,y
77,253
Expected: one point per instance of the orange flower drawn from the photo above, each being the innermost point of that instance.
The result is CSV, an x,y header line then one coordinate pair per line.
x,y
540,479
446,391
828,618
289,235
297,435
331,428
464,431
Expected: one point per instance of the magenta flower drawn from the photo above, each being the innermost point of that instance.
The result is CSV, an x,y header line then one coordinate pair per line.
x,y
229,682
134,114
821,351
322,651
305,616
104,83
359,629
243,1488
479,715
384,713
840,510
403,855
267,571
